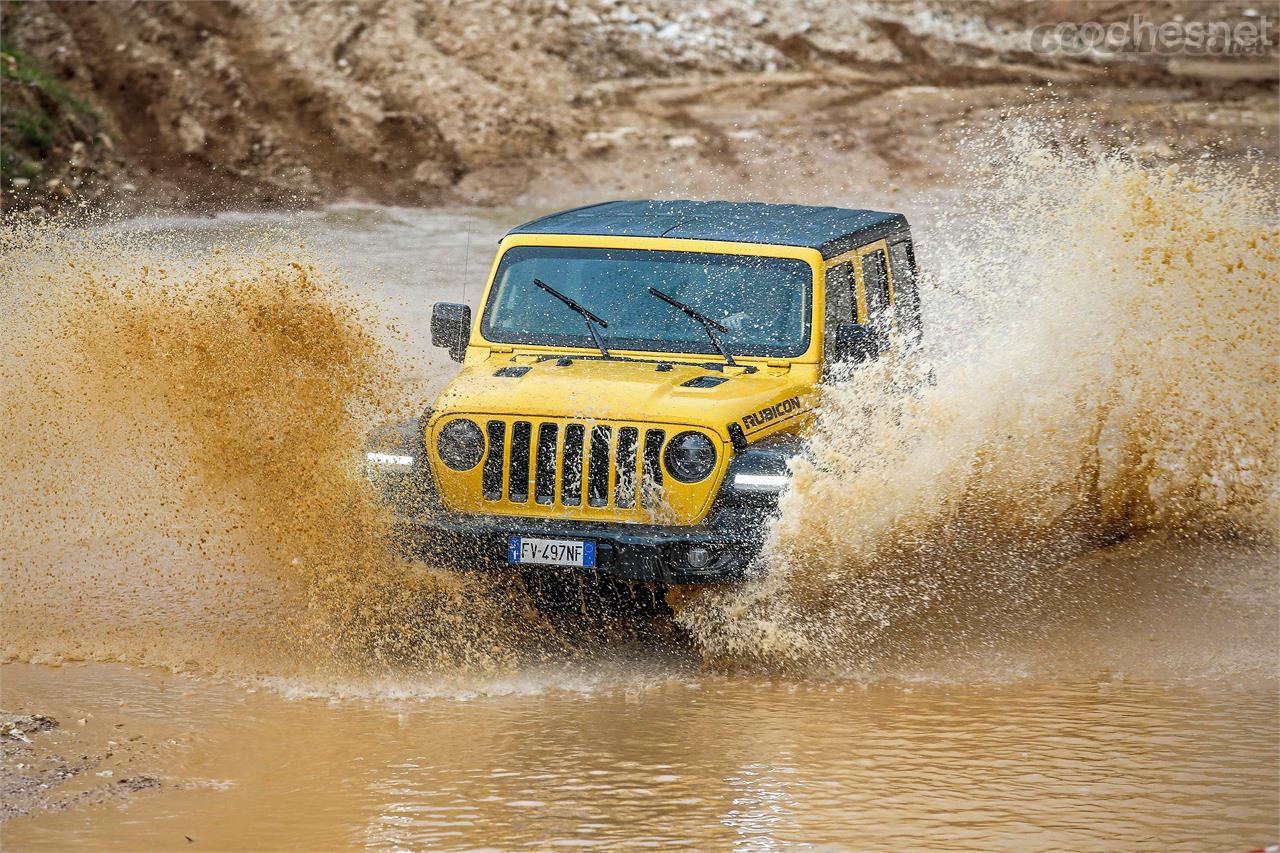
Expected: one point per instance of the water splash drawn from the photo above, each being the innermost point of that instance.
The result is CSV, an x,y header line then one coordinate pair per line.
x,y
181,433
181,439
1106,357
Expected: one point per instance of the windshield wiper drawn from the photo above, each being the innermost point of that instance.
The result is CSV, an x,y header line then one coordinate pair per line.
x,y
711,326
591,319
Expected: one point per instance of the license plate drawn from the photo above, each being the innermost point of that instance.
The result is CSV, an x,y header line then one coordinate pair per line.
x,y
552,552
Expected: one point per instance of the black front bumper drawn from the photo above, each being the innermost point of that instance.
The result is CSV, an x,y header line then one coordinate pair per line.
x,y
639,552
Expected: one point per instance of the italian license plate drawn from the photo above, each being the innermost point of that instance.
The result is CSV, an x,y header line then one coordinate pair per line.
x,y
551,552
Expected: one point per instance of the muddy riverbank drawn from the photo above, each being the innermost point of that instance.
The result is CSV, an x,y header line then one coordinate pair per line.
x,y
236,105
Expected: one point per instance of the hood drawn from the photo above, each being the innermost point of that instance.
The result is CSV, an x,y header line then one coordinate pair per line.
x,y
624,390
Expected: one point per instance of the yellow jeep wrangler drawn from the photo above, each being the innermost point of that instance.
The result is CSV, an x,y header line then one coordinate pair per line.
x,y
638,377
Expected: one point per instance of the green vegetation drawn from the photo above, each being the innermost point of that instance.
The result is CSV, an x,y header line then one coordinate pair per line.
x,y
16,66
34,129
13,166
39,117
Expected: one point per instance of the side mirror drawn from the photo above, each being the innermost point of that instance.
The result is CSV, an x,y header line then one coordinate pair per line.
x,y
857,343
451,328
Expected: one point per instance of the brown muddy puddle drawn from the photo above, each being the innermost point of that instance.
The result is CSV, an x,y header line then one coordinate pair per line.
x,y
1008,683
643,756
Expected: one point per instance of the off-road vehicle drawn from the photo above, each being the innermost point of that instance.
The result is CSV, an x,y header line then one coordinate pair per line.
x,y
637,379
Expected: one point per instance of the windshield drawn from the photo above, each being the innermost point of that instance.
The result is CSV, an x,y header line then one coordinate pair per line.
x,y
763,302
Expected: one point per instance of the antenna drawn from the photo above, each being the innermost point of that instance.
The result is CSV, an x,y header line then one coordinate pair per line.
x,y
466,261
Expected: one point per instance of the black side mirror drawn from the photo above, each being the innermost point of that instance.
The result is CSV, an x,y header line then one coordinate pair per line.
x,y
857,343
451,328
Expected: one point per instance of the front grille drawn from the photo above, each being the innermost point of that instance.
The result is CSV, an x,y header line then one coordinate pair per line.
x,y
572,464
544,475
624,489
491,478
518,478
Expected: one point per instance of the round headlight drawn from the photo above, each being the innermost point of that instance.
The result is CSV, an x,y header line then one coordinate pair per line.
x,y
690,457
461,444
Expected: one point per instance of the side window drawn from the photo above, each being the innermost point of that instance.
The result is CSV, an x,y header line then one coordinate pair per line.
x,y
875,279
840,301
906,294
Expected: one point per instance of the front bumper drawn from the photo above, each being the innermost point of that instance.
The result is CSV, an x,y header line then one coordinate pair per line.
x,y
637,552
735,531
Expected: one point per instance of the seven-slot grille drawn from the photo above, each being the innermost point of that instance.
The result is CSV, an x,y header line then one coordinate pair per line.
x,y
572,464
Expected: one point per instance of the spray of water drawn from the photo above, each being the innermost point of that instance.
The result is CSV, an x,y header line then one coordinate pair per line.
x,y
181,477
181,440
1105,349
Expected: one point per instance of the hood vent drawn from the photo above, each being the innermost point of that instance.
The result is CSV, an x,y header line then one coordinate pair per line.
x,y
704,382
512,371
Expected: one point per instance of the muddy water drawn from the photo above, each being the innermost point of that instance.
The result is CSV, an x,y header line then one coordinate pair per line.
x,y
648,756
403,258
1014,683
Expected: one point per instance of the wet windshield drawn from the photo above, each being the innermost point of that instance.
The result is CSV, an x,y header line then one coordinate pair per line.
x,y
763,302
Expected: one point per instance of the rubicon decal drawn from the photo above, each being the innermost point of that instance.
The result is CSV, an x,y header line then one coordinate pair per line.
x,y
769,414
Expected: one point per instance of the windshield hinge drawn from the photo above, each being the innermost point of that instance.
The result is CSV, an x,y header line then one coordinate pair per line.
x,y
496,350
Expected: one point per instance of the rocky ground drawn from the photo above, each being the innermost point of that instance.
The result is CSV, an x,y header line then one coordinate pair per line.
x,y
241,104
46,766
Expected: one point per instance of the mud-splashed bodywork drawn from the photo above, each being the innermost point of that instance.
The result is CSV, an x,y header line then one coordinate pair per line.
x,y
574,442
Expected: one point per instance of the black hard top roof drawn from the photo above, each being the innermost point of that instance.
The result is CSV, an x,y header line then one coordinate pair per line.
x,y
830,230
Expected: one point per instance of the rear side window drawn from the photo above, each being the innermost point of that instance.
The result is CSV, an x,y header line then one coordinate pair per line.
x,y
840,299
875,278
840,303
906,294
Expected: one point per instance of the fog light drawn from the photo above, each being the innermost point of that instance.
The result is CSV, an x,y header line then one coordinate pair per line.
x,y
768,483
698,556
394,461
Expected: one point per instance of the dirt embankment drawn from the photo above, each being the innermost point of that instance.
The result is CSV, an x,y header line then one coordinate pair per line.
x,y
244,104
